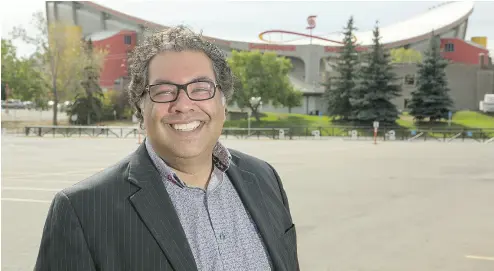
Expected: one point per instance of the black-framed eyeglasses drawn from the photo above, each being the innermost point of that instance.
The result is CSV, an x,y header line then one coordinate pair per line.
x,y
198,90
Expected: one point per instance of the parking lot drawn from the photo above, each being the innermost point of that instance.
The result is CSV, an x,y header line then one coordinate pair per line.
x,y
16,114
394,206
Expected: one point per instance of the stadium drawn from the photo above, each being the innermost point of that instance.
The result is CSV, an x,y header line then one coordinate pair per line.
x,y
470,73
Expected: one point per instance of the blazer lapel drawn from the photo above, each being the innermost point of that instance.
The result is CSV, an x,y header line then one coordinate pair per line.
x,y
154,206
246,184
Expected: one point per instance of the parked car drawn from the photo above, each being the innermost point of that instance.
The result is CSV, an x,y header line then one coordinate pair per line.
x,y
13,104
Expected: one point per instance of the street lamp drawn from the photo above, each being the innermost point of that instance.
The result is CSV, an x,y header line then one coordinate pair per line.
x,y
254,103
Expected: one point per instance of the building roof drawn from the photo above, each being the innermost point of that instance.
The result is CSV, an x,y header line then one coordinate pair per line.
x,y
439,19
135,20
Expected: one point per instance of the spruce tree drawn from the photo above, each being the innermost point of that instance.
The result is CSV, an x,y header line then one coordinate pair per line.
x,y
88,106
431,98
338,93
372,99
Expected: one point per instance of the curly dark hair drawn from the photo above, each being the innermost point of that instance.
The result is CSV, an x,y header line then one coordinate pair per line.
x,y
178,38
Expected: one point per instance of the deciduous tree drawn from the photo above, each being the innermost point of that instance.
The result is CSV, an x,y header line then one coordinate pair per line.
x,y
263,75
23,80
59,57
402,55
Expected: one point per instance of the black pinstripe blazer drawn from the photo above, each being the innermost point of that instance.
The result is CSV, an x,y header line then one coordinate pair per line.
x,y
123,219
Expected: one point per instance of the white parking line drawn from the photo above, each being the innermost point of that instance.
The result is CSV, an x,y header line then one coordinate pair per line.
x,y
37,181
31,188
480,258
34,175
26,200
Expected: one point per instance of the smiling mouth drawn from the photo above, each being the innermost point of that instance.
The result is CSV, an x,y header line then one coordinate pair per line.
x,y
187,127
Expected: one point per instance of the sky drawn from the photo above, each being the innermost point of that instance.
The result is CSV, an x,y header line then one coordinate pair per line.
x,y
244,20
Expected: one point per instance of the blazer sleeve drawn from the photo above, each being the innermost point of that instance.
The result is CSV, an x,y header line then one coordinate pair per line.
x,y
284,198
285,202
63,245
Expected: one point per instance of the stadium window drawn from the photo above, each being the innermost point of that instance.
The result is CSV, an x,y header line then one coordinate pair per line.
x,y
449,47
127,39
410,79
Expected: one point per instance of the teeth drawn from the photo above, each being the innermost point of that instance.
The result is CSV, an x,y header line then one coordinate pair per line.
x,y
186,127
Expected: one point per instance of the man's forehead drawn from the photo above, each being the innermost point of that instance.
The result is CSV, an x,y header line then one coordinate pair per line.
x,y
180,56
202,78
184,66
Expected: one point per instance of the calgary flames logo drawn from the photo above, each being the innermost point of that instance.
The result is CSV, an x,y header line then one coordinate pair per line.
x,y
311,20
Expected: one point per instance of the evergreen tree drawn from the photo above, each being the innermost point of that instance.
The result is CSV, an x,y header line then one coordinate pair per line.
x,y
372,99
88,107
339,91
431,98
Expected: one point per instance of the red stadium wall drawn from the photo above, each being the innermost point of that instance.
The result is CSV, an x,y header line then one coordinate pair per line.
x,y
459,51
115,65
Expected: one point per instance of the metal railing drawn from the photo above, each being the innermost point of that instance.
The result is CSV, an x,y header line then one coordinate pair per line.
x,y
290,133
365,133
91,131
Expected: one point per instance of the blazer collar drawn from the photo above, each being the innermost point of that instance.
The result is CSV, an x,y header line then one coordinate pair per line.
x,y
154,206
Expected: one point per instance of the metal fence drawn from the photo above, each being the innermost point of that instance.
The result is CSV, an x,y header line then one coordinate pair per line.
x,y
80,131
292,133
364,133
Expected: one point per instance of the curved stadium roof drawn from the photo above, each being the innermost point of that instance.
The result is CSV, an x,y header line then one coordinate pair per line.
x,y
439,19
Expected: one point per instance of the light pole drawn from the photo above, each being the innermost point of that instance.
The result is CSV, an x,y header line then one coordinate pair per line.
x,y
254,103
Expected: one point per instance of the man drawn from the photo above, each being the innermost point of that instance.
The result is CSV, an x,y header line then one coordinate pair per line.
x,y
182,201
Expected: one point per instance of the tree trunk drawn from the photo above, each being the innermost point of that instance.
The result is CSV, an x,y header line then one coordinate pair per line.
x,y
255,113
55,102
258,119
289,110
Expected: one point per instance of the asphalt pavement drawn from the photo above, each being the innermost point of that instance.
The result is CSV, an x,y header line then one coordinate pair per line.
x,y
394,206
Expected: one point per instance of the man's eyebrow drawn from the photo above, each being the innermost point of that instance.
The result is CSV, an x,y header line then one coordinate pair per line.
x,y
199,78
161,81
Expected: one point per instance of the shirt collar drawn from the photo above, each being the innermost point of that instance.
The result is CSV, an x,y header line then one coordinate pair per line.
x,y
221,160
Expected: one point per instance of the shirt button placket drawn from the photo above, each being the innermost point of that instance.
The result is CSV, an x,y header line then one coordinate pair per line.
x,y
216,220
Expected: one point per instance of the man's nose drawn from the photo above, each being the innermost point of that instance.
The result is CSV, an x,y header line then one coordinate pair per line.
x,y
182,103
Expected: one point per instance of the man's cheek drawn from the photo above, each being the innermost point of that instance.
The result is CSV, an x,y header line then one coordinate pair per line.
x,y
156,111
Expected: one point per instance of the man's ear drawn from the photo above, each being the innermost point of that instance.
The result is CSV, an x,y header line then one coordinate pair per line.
x,y
223,102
